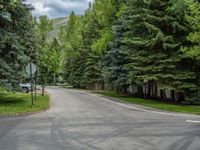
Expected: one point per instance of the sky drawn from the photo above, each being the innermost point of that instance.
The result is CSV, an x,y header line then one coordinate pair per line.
x,y
58,8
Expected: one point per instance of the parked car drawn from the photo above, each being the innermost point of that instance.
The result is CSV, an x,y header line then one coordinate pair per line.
x,y
25,87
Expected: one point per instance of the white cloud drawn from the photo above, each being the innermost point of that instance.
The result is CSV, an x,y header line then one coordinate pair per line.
x,y
58,8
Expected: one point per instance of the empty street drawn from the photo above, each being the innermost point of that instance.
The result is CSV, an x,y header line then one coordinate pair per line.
x,y
79,120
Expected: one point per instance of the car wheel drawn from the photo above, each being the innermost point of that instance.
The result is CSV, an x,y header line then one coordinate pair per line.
x,y
25,90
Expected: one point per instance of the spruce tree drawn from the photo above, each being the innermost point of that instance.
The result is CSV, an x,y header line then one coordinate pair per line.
x,y
18,40
191,52
102,16
73,55
115,74
154,37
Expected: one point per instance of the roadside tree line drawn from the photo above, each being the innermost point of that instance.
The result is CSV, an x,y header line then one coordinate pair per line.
x,y
146,48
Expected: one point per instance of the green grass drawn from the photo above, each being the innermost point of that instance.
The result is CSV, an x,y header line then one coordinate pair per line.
x,y
192,109
20,103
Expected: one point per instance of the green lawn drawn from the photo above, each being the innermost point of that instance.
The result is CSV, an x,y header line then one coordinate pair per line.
x,y
20,103
192,109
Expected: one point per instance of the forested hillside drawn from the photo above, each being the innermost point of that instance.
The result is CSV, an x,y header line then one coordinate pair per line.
x,y
146,48
57,23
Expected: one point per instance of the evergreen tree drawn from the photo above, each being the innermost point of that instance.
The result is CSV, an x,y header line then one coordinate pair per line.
x,y
44,26
114,73
134,43
153,40
54,60
18,40
97,34
191,52
90,34
73,60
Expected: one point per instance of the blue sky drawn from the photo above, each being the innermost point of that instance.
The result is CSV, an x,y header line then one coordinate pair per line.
x,y
58,8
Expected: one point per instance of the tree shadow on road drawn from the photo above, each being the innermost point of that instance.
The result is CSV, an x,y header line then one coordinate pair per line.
x,y
11,99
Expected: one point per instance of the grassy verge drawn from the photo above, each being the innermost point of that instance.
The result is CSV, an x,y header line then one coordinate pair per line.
x,y
20,103
192,109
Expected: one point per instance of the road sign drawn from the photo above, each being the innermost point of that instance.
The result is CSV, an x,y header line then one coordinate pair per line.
x,y
31,68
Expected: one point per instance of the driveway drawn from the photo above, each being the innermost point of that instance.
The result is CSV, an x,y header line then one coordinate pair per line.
x,y
79,120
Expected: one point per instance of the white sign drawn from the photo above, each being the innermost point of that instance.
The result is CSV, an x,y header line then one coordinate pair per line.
x,y
31,68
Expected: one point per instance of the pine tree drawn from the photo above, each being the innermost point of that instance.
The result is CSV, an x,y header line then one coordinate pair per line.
x,y
191,52
44,26
115,74
97,34
73,60
193,17
153,40
90,33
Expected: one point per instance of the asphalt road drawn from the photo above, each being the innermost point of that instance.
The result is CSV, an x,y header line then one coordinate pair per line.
x,y
79,120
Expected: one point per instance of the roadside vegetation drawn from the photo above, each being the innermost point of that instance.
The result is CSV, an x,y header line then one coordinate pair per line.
x,y
160,105
20,103
146,48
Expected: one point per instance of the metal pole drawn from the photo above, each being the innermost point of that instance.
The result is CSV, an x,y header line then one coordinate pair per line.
x,y
35,85
42,90
198,85
32,102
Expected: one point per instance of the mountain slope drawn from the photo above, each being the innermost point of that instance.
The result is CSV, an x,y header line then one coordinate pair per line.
x,y
57,24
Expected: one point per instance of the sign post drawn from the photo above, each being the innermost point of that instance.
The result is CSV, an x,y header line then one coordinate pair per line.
x,y
35,86
31,69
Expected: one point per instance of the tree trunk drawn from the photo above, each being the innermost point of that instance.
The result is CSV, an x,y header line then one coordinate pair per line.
x,y
102,85
54,79
181,97
145,91
163,95
173,96
43,90
140,91
155,90
45,80
149,88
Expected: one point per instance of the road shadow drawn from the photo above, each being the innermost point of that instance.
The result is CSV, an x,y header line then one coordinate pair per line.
x,y
6,99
